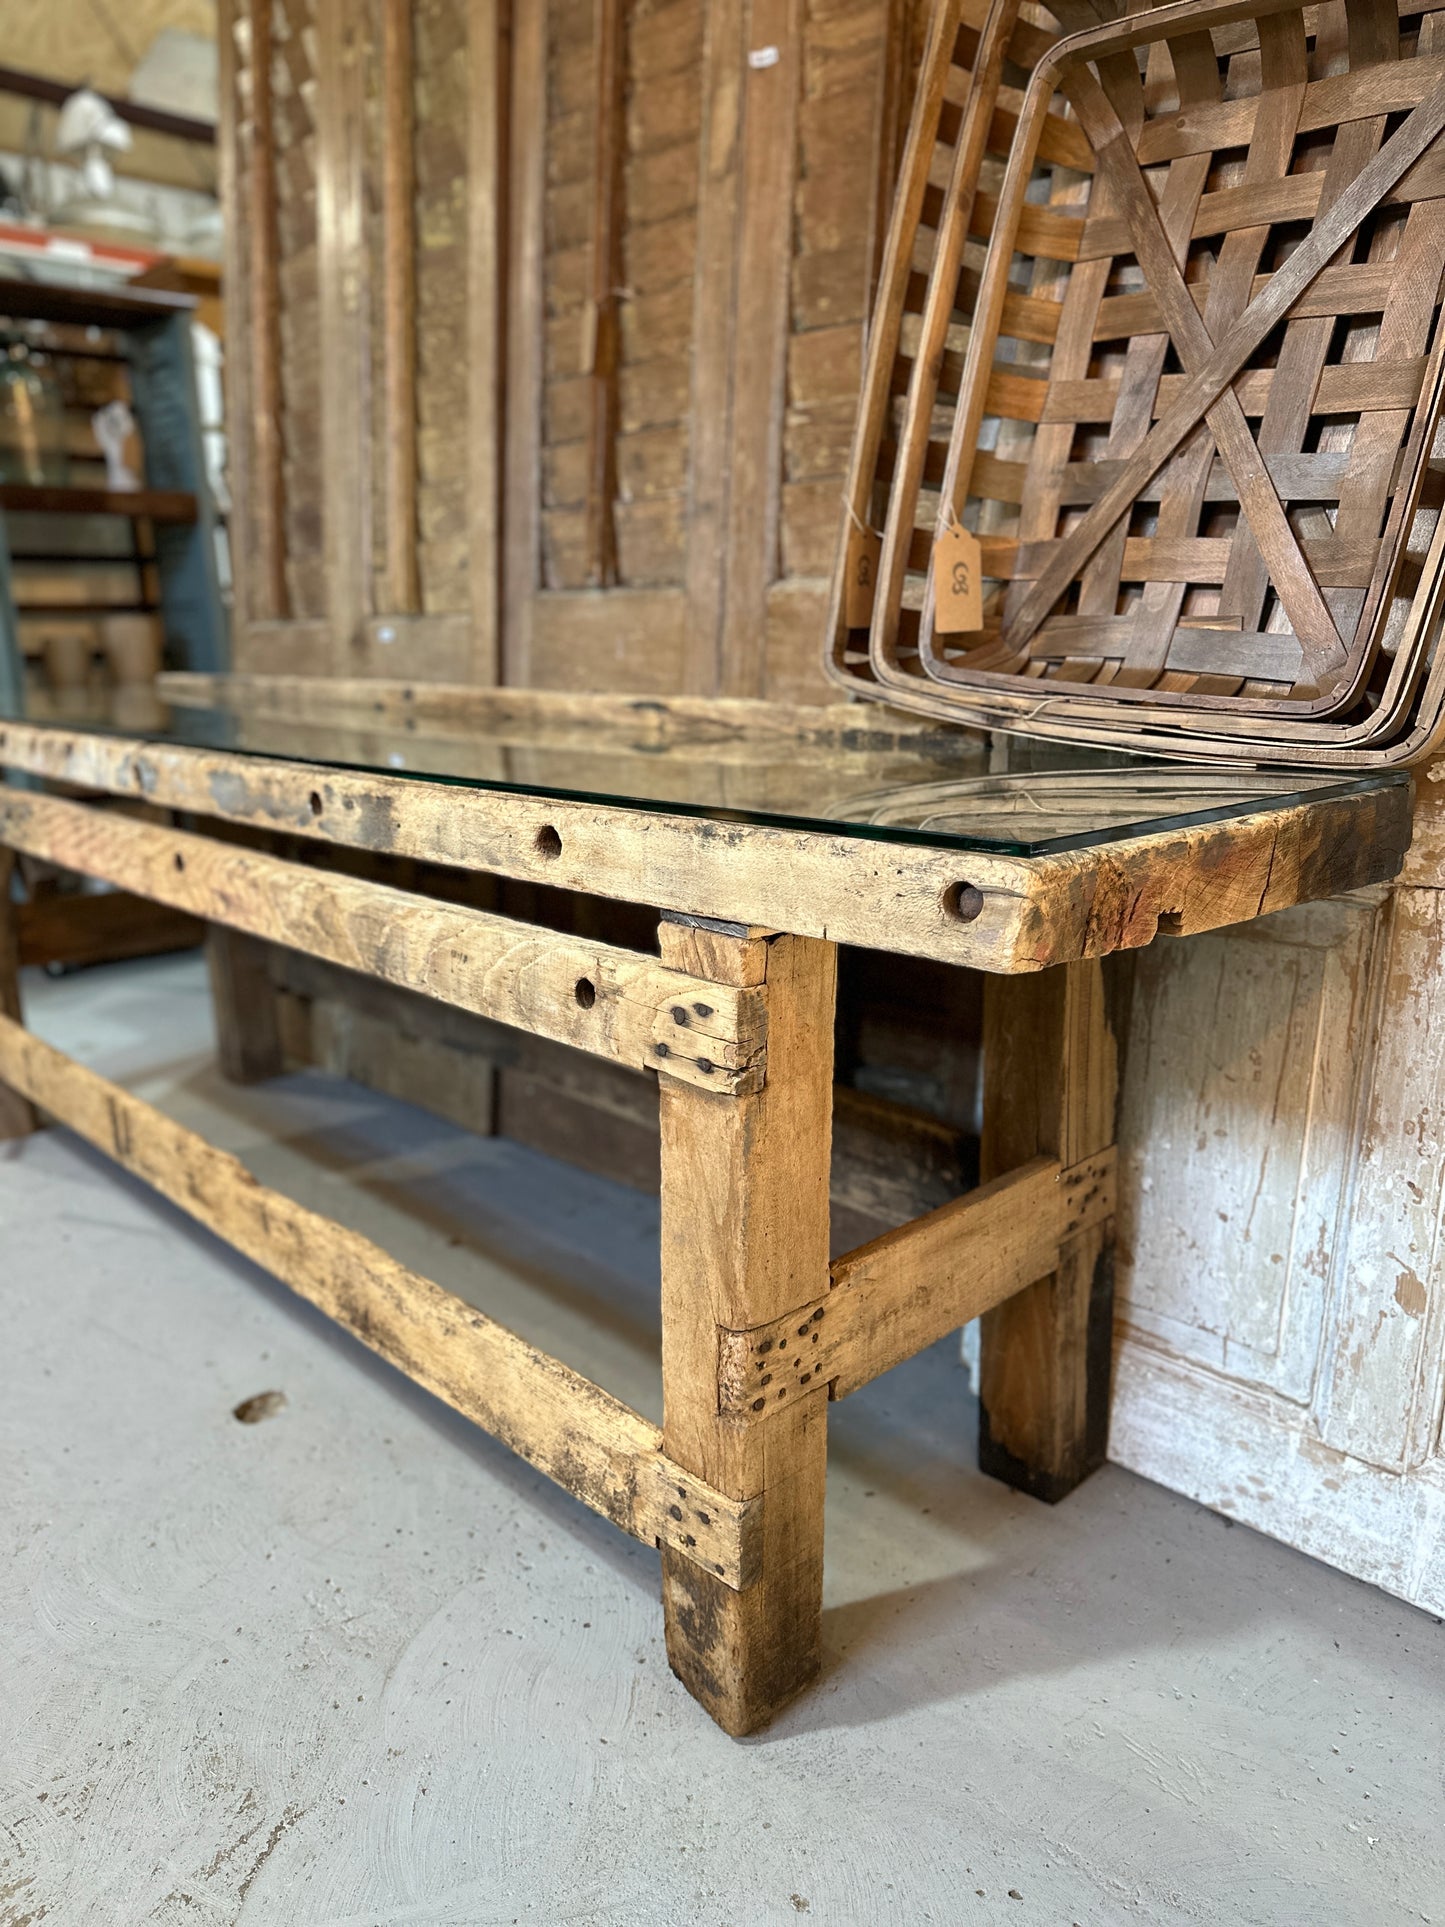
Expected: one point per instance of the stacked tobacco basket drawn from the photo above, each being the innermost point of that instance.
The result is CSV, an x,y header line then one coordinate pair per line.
x,y
1148,454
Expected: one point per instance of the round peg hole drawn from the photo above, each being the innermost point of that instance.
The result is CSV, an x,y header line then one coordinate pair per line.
x,y
547,843
963,902
585,991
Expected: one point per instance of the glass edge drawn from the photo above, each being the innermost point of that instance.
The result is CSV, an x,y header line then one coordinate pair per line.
x,y
1328,786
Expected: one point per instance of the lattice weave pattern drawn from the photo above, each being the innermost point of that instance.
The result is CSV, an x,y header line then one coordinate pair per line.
x,y
975,64
1194,425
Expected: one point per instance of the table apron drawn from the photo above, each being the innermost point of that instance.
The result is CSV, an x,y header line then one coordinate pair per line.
x,y
986,910
614,1003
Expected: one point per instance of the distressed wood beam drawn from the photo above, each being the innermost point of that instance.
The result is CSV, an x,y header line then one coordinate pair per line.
x,y
1051,1071
744,1238
398,340
900,1293
343,275
597,1449
489,40
984,910
248,1032
602,357
612,1002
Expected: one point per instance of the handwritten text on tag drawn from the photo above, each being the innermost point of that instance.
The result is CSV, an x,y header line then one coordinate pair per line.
x,y
957,582
865,550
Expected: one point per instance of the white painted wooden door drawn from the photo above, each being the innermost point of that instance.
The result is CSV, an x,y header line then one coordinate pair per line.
x,y
1281,1336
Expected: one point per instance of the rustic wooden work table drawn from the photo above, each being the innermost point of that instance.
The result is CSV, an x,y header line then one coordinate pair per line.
x,y
765,838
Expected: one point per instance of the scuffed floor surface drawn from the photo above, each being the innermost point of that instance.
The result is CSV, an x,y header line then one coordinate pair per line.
x,y
352,1665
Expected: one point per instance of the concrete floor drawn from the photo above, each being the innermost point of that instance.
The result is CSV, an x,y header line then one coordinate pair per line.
x,y
356,1666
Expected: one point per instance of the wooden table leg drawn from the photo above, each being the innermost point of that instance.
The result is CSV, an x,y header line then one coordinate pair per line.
x,y
248,1030
745,1240
17,1114
1050,1086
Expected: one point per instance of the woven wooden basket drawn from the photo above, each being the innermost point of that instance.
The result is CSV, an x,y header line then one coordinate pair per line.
x,y
1193,429
976,63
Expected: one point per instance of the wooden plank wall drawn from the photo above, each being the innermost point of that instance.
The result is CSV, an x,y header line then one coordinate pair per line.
x,y
553,319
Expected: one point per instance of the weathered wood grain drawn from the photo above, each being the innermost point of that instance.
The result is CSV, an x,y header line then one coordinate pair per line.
x,y
342,484
744,1238
488,46
398,341
296,55
586,1441
715,285
891,1161
1069,351
603,318
614,1003
911,1287
1034,911
521,527
247,1016
1279,1351
1050,1085
260,430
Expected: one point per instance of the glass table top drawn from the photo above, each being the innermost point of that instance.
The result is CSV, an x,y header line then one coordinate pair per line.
x,y
868,774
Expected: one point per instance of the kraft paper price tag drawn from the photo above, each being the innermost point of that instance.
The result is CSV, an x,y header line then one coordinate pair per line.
x,y
957,583
865,551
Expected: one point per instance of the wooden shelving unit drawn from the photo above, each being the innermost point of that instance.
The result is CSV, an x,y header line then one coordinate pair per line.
x,y
172,549
142,504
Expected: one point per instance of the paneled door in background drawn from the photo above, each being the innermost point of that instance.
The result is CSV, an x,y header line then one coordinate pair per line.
x,y
554,318
1281,1350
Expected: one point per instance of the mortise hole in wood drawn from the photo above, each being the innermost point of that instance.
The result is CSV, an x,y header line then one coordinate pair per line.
x,y
315,803
548,843
962,901
180,861
585,991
